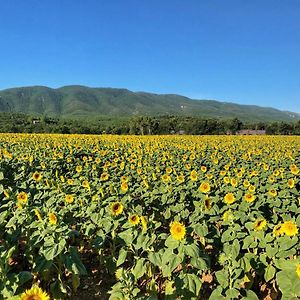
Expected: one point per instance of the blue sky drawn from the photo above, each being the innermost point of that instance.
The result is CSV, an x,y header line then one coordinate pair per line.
x,y
243,51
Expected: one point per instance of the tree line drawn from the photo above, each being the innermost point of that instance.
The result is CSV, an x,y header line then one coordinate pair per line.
x,y
140,125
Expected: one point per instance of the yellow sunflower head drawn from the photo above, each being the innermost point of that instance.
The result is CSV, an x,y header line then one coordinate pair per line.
x,y
177,230
116,208
85,184
144,223
229,198
104,177
194,175
78,169
260,224
69,198
52,218
134,219
124,186
166,178
22,197
204,187
38,214
289,228
35,293
298,270
251,188
249,197
272,192
37,176
294,169
180,178
203,169
291,183
277,230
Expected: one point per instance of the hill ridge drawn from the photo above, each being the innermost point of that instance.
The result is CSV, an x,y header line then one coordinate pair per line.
x,y
83,101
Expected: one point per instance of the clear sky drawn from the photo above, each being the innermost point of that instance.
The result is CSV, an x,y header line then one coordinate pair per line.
x,y
243,51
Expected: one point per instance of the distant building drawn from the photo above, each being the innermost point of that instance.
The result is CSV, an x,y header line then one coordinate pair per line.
x,y
35,121
251,132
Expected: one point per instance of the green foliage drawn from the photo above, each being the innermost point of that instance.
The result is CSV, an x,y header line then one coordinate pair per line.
x,y
80,101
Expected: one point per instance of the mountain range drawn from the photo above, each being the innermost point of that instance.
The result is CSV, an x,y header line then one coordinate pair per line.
x,y
77,101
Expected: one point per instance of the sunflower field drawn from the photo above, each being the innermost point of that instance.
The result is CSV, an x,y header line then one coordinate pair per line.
x,y
160,217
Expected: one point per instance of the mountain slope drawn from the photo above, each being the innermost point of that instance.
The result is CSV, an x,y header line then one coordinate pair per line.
x,y
81,101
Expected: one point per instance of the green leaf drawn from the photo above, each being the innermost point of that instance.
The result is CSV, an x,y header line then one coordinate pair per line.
x,y
122,257
139,269
193,283
155,258
198,263
232,293
217,294
288,282
235,249
201,229
222,277
75,281
269,273
250,295
192,250
171,243
23,277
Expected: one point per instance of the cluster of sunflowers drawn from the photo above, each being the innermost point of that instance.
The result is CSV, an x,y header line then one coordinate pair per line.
x,y
180,217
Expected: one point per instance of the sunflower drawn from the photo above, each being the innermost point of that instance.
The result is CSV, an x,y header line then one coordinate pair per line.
x,y
52,218
209,176
104,177
69,198
124,186
204,187
294,169
169,170
277,230
298,270
78,169
134,219
166,178
226,179
86,184
70,181
35,293
144,223
260,224
38,214
246,183
291,183
194,175
177,230
116,208
228,216
124,178
22,197
222,172
180,178
233,182
207,203
249,197
203,169
289,228
37,176
229,198
251,188
272,192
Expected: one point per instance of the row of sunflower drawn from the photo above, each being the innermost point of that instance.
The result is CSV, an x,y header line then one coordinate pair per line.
x,y
179,217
